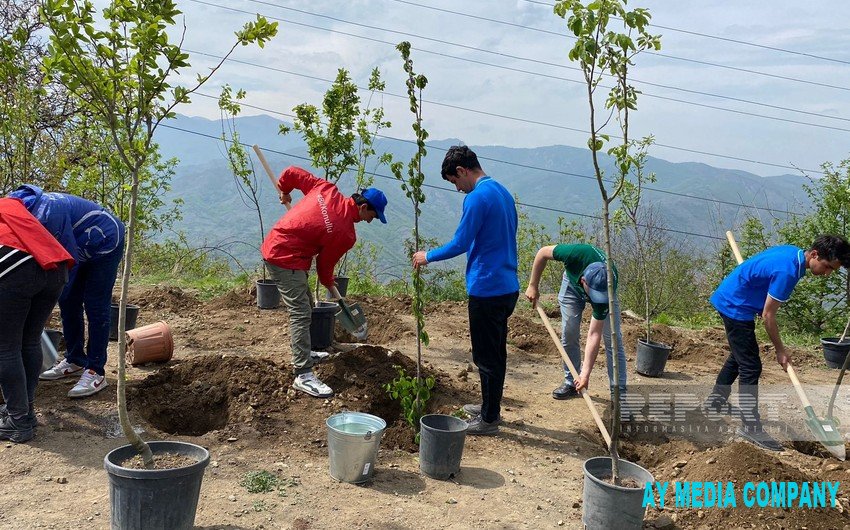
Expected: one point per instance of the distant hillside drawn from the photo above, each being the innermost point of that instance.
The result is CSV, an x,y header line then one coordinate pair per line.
x,y
544,176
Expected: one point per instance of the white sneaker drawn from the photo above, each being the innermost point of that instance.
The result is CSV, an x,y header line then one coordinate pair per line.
x,y
311,384
61,369
90,383
319,356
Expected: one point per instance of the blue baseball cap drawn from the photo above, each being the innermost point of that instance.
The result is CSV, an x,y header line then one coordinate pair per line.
x,y
596,277
377,200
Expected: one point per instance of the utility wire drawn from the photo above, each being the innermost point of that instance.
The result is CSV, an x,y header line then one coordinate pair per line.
x,y
517,57
549,76
441,188
727,39
659,54
516,118
537,168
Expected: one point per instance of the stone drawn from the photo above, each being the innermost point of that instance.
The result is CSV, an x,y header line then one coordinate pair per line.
x,y
680,464
711,460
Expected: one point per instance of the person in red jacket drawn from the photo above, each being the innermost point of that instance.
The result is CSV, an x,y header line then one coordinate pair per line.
x,y
320,225
33,272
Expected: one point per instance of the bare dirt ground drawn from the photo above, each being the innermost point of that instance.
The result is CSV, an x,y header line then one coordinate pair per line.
x,y
228,388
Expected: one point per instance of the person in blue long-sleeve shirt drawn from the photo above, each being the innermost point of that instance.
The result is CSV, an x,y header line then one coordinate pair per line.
x,y
94,237
487,234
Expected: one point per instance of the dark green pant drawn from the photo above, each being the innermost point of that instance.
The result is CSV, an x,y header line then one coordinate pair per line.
x,y
295,291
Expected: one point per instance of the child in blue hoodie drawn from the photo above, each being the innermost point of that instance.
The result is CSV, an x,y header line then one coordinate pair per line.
x,y
95,239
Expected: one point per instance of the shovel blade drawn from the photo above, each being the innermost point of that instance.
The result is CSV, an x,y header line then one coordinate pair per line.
x,y
826,432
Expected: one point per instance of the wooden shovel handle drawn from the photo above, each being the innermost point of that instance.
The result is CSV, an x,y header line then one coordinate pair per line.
x,y
569,363
268,169
790,369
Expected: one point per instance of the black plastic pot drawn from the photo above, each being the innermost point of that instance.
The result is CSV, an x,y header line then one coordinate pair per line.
x,y
441,439
834,352
130,319
268,296
607,506
155,499
651,358
322,325
341,285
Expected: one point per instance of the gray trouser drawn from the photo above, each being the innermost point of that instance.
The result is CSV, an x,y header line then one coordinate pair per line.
x,y
296,295
572,306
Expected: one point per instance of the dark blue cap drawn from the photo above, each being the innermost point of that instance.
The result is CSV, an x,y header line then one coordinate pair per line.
x,y
597,282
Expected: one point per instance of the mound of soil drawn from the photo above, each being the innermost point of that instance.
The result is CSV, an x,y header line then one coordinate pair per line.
x,y
738,463
530,336
234,299
169,298
382,317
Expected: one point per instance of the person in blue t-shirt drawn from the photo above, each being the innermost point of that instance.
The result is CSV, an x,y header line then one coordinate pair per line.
x,y
759,286
487,234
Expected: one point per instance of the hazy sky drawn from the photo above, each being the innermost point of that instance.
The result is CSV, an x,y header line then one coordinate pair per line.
x,y
534,40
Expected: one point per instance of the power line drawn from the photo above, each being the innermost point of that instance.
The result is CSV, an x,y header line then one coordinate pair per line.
x,y
659,54
537,168
517,57
516,118
549,76
727,39
441,188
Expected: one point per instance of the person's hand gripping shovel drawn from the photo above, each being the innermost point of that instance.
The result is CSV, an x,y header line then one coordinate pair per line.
x,y
825,430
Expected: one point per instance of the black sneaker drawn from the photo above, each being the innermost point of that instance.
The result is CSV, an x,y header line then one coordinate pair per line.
x,y
755,434
13,432
479,427
565,391
717,404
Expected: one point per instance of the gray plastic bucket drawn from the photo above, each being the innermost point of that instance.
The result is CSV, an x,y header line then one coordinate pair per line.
x,y
651,358
155,499
353,442
268,296
50,339
608,506
441,440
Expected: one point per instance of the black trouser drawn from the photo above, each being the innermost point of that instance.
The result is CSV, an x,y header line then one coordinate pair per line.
x,y
27,296
488,330
744,361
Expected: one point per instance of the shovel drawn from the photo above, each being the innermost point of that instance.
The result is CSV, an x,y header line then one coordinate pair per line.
x,y
351,316
569,363
825,430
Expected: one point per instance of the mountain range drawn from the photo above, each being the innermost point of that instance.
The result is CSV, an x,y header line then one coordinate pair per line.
x,y
694,200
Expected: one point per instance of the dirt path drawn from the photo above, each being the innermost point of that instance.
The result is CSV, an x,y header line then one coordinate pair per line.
x,y
228,390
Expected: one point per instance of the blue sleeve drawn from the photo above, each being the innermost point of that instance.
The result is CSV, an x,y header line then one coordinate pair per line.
x,y
470,223
54,216
781,286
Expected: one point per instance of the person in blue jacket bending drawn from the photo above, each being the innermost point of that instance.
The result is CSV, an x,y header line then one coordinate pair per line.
x,y
487,233
95,239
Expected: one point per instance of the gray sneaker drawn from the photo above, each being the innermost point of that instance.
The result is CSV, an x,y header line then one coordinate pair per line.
x,y
9,430
473,410
479,427
756,435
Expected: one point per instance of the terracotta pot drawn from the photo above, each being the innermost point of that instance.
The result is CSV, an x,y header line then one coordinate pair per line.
x,y
149,344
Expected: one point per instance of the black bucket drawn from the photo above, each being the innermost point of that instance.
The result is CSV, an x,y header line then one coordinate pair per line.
x,y
834,352
341,286
130,319
651,358
155,499
322,325
268,296
441,439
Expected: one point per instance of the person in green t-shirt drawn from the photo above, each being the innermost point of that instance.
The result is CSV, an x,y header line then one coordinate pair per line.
x,y
585,281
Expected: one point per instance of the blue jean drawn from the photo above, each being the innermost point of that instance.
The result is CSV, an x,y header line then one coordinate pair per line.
x,y
89,289
27,296
572,307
